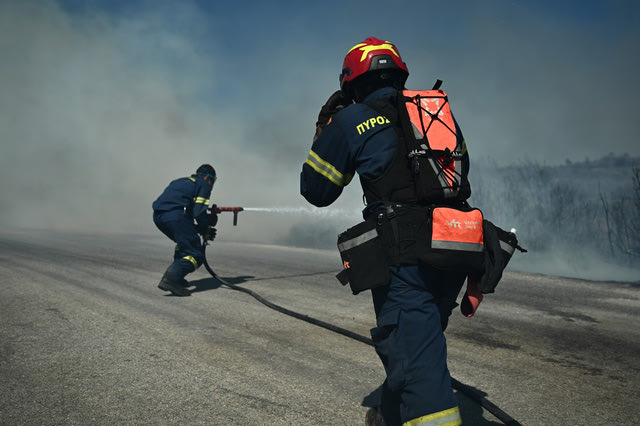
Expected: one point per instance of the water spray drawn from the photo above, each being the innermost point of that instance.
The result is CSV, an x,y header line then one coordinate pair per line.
x,y
302,211
288,210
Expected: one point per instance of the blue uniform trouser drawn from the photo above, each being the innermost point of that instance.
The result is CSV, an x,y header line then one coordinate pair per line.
x,y
412,313
189,253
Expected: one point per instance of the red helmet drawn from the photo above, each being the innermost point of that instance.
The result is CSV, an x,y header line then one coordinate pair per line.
x,y
371,54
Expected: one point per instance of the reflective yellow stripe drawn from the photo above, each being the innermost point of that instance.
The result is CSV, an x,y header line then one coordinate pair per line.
x,y
201,200
327,170
450,417
191,179
192,260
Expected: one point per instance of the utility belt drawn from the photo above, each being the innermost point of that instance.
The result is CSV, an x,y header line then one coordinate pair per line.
x,y
443,237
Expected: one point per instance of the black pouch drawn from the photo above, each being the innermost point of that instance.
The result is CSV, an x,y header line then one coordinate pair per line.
x,y
402,234
363,258
499,246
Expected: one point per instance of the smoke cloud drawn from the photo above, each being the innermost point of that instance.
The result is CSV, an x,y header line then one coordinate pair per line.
x,y
104,103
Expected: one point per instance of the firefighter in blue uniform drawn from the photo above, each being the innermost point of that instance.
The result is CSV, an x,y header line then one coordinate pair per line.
x,y
412,310
183,201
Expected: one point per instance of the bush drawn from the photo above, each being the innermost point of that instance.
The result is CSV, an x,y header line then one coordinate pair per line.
x,y
591,206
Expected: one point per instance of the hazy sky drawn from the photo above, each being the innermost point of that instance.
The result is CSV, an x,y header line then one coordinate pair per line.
x,y
104,102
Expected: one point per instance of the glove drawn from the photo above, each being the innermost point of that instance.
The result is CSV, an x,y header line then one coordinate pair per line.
x,y
335,103
213,215
472,296
210,234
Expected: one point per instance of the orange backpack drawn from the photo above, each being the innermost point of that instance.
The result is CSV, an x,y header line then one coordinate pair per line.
x,y
435,146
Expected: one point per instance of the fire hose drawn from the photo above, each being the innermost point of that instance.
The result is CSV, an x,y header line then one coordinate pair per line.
x,y
470,392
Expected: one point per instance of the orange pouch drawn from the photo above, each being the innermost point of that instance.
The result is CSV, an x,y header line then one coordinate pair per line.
x,y
456,239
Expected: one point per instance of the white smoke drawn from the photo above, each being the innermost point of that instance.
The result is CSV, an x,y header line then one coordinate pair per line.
x,y
100,109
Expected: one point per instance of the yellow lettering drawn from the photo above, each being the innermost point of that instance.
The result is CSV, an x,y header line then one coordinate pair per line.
x,y
371,123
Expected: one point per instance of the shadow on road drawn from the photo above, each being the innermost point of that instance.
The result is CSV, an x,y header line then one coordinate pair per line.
x,y
213,284
471,412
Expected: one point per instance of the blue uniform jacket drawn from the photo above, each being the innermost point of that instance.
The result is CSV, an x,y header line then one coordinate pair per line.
x,y
190,194
357,139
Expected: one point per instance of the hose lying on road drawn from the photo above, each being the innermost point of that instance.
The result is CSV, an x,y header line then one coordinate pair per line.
x,y
470,392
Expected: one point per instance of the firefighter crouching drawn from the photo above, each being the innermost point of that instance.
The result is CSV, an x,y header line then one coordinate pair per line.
x,y
412,299
183,201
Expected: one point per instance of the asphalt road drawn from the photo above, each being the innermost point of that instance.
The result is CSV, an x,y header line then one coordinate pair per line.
x,y
87,338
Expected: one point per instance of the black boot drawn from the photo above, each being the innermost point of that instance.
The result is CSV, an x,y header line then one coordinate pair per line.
x,y
175,288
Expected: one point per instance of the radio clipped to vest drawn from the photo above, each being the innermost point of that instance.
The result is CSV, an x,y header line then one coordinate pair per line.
x,y
435,146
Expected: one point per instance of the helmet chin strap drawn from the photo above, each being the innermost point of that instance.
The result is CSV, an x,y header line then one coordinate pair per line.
x,y
357,95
